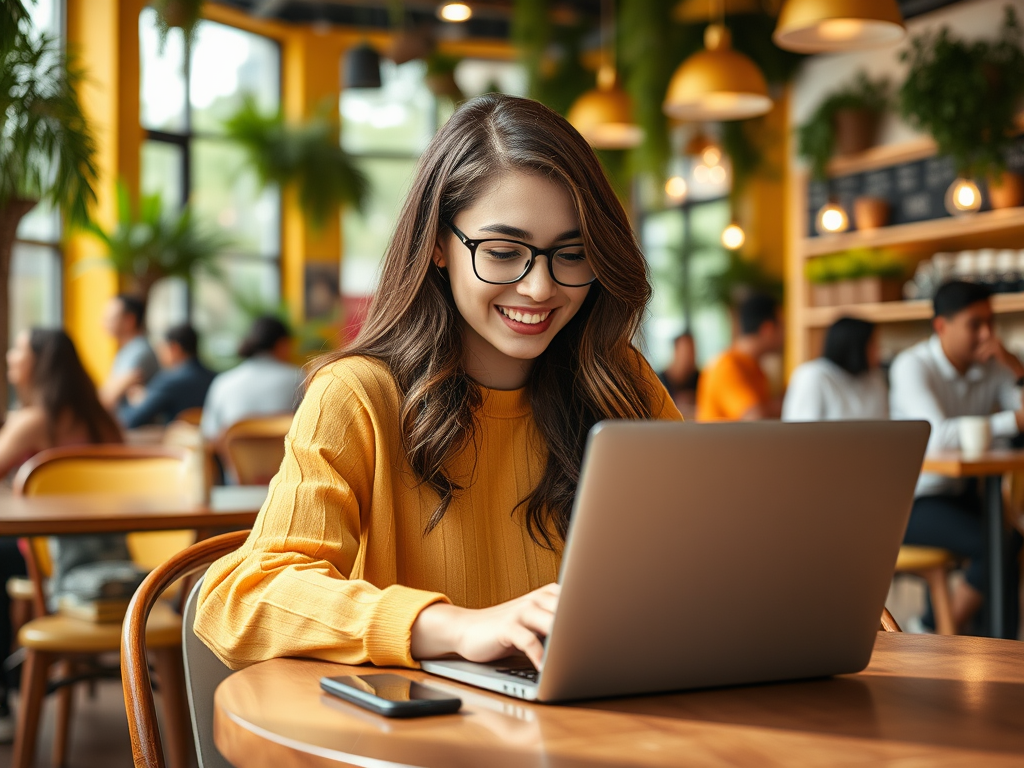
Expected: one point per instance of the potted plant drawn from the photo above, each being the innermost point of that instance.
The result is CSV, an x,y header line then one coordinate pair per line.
x,y
966,95
881,277
178,14
307,156
823,279
440,77
844,123
47,150
150,244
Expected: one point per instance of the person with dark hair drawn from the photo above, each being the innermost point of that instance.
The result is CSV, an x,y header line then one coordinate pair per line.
x,y
182,382
58,407
682,374
845,383
962,370
429,475
135,362
733,387
264,383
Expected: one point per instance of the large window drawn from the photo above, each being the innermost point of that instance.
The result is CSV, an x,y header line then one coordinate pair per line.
x,y
186,158
37,261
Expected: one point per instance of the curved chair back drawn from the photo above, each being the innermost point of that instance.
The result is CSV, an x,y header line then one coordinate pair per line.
x,y
253,448
190,416
147,750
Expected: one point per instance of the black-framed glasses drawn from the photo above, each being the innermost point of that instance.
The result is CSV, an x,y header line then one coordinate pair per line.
x,y
501,262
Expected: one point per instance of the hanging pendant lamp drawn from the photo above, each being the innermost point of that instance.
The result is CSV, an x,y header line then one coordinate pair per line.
x,y
604,115
819,26
717,83
362,67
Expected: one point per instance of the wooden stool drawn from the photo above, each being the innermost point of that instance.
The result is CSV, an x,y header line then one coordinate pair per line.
x,y
932,565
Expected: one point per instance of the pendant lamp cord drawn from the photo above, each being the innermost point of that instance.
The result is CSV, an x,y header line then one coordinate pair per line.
x,y
608,32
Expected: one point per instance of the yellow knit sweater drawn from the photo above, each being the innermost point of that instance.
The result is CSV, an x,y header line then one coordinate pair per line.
x,y
337,566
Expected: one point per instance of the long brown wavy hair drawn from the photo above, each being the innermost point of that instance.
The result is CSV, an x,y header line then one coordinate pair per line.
x,y
62,387
589,372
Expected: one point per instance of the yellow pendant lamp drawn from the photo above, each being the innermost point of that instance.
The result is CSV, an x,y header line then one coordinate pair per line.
x,y
819,26
717,84
604,115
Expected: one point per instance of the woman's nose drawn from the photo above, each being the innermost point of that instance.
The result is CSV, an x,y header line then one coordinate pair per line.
x,y
538,284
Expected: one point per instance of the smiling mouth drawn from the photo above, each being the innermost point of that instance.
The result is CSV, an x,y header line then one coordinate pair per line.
x,y
526,318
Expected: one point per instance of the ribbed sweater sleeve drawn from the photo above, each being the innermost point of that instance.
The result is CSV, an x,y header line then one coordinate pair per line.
x,y
290,589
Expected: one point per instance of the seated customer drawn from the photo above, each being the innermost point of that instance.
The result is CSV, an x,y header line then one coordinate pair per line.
x,y
682,375
181,384
844,383
264,383
59,407
962,370
733,387
135,363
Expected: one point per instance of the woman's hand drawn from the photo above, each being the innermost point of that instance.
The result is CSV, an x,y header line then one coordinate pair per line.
x,y
487,634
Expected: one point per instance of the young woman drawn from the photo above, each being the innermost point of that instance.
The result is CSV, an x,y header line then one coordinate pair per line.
x,y
845,383
59,407
430,471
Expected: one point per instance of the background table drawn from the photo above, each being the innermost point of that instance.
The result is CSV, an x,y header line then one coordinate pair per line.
x,y
991,466
229,507
923,700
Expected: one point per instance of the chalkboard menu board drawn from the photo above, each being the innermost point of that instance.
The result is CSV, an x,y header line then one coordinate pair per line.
x,y
915,191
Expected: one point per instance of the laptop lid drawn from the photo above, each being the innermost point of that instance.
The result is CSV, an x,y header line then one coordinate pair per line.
x,y
718,554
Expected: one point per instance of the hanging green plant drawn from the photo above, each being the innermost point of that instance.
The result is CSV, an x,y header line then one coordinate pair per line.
x,y
178,14
743,142
817,138
966,94
741,275
307,156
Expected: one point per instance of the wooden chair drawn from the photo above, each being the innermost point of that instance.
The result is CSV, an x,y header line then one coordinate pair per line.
x,y
252,449
203,670
65,642
931,564
190,416
888,622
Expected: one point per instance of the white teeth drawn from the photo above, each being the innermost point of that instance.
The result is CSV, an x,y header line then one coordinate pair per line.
x,y
526,319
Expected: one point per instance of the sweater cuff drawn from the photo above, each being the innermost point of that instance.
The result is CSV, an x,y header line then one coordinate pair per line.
x,y
1004,424
389,633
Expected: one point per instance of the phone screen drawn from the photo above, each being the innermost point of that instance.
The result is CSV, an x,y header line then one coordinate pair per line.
x,y
392,687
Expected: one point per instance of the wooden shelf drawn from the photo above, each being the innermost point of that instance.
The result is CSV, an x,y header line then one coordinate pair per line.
x,y
988,229
899,311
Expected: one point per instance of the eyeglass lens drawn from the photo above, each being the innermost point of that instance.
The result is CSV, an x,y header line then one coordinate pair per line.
x,y
501,261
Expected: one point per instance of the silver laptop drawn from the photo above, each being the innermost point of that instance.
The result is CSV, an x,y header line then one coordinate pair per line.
x,y
704,555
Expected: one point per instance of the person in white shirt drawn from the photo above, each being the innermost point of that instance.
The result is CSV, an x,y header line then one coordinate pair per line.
x,y
845,383
962,370
264,383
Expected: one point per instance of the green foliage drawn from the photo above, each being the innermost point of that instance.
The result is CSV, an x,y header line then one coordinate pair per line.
x,y
816,137
740,277
181,14
853,264
743,142
150,244
47,151
307,155
966,94
12,15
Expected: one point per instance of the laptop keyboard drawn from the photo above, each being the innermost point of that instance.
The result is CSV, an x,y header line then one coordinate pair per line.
x,y
522,673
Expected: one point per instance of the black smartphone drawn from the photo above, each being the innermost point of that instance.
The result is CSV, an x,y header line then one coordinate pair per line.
x,y
391,695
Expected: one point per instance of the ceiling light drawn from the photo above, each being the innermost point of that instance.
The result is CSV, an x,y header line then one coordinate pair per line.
x,y
604,115
832,218
717,83
676,189
454,12
362,67
733,237
817,26
963,196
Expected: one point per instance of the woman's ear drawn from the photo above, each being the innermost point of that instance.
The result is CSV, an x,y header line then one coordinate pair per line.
x,y
438,256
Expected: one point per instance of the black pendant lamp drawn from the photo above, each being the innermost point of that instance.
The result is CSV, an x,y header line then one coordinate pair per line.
x,y
362,67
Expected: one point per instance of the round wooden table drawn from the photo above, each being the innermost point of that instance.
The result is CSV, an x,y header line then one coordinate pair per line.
x,y
923,700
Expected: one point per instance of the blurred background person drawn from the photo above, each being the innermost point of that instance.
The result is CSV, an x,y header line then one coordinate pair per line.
x,y
733,387
182,382
845,383
681,376
135,363
264,383
58,407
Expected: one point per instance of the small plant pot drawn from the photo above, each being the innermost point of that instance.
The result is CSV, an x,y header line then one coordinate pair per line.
x,y
1006,190
855,130
847,292
823,295
443,84
870,213
409,44
873,290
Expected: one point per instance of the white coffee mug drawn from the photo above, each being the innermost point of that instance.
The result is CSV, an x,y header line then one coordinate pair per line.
x,y
975,435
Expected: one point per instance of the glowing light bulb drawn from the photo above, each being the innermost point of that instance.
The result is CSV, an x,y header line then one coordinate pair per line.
x,y
963,196
712,155
733,237
832,218
676,188
717,174
455,12
702,174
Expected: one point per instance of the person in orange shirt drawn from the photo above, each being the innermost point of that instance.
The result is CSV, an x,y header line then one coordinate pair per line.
x,y
733,387
428,479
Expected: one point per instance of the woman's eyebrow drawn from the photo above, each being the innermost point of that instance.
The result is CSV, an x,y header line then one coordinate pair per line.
x,y
522,234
